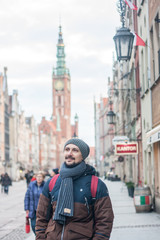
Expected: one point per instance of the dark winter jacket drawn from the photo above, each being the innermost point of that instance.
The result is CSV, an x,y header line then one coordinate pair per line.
x,y
32,197
6,180
90,221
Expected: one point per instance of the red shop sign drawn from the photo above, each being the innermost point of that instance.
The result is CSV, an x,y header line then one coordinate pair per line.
x,y
126,149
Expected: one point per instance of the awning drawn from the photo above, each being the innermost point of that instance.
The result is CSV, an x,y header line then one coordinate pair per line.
x,y
153,135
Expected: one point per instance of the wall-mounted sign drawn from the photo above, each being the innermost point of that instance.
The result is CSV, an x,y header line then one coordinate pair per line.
x,y
126,149
154,138
118,139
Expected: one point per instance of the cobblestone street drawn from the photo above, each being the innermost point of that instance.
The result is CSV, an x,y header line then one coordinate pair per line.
x,y
12,220
17,234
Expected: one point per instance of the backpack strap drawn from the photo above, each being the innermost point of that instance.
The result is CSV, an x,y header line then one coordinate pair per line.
x,y
53,182
94,185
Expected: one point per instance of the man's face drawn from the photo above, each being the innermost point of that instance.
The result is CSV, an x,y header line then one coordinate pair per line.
x,y
53,174
72,155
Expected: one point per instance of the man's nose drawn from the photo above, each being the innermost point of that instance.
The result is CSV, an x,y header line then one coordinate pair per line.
x,y
70,152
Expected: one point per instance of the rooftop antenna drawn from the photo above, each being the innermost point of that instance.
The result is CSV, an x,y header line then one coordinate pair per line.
x,y
59,19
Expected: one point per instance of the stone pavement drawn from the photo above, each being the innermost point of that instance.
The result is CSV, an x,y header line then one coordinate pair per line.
x,y
129,225
12,214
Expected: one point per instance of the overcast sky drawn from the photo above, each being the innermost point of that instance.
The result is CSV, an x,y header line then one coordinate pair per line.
x,y
28,37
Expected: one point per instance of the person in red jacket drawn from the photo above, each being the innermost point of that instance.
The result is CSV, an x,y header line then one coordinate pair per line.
x,y
68,211
33,178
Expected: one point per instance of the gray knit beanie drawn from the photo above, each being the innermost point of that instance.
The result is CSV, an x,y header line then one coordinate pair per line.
x,y
83,147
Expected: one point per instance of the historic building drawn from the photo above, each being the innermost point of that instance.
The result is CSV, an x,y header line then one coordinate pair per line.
x,y
153,136
47,145
4,122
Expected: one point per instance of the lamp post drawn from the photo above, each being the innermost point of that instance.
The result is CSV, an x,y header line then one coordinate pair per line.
x,y
123,38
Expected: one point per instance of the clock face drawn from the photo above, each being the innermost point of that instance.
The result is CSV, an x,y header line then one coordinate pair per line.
x,y
59,85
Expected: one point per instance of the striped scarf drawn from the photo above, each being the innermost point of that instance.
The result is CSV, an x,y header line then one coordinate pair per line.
x,y
65,201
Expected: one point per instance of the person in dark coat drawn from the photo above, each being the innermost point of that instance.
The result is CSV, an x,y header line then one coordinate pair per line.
x,y
1,181
68,211
6,182
28,176
54,172
32,197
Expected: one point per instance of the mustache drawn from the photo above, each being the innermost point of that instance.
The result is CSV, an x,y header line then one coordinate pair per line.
x,y
69,156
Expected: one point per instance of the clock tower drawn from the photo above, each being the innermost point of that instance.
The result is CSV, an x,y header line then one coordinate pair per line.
x,y
61,94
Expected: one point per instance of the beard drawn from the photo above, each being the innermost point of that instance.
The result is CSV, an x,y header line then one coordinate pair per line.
x,y
71,165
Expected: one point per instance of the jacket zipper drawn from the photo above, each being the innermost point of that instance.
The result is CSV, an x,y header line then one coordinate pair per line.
x,y
86,203
62,232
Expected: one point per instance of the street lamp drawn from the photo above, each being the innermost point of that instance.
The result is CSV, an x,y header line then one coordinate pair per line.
x,y
123,38
111,117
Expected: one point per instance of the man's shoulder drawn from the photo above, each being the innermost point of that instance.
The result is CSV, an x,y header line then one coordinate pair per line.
x,y
102,188
47,187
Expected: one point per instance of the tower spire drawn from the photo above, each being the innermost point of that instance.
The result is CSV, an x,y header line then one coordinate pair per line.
x,y
60,39
61,64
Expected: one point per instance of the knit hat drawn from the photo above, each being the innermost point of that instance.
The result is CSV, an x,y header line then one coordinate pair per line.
x,y
55,170
83,147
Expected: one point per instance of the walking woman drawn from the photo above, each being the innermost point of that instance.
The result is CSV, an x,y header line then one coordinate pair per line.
x,y
32,197
6,182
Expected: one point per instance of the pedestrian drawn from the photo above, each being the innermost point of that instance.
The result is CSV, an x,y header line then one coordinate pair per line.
x,y
28,177
1,181
68,211
33,178
32,197
6,182
47,175
54,172
124,178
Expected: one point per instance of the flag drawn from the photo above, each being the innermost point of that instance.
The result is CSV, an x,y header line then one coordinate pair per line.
x,y
131,5
139,41
142,200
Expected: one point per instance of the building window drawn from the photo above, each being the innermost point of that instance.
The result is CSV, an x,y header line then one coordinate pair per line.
x,y
145,21
7,156
7,139
59,100
141,30
142,71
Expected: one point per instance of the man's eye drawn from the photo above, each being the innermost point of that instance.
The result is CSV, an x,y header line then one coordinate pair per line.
x,y
75,150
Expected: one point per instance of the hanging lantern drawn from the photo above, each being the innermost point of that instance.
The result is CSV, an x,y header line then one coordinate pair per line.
x,y
123,43
111,117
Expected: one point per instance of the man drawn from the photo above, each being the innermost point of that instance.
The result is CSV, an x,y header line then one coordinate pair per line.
x,y
74,214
